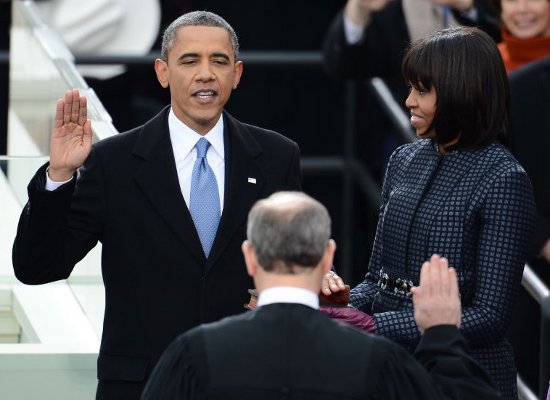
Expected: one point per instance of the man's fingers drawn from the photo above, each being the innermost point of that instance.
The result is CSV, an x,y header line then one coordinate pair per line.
x,y
75,107
83,114
68,106
60,106
71,110
87,137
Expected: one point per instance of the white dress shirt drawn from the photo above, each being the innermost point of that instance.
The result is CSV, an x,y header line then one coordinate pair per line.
x,y
183,141
287,294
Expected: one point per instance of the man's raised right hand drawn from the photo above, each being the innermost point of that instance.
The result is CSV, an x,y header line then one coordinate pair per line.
x,y
71,140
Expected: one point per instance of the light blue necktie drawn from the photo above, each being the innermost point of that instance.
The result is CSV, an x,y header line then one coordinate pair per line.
x,y
446,14
205,200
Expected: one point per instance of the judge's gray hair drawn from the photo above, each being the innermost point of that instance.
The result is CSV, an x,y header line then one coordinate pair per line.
x,y
288,229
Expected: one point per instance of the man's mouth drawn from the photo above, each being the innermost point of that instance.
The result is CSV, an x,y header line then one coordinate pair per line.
x,y
205,94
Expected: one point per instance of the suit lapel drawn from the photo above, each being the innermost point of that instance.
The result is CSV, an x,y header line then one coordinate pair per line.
x,y
242,149
157,177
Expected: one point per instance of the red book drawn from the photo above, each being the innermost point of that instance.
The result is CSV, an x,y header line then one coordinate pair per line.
x,y
340,298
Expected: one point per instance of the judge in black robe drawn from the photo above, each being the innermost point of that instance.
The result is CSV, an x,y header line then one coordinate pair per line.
x,y
287,349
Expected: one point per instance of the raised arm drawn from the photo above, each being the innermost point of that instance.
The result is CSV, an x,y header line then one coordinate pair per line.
x,y
49,241
359,44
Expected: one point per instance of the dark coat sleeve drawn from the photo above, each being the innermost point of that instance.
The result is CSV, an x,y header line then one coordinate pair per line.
x,y
448,371
53,234
294,175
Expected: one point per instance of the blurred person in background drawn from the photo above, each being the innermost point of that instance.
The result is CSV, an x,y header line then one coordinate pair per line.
x,y
368,39
525,31
109,28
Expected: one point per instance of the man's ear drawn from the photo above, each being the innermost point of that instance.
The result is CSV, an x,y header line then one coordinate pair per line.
x,y
238,74
250,258
328,256
161,68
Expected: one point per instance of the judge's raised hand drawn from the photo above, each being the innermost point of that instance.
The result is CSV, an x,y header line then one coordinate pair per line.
x,y
71,140
436,300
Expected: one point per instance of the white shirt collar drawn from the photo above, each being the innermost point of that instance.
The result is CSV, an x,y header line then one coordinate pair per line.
x,y
286,294
184,138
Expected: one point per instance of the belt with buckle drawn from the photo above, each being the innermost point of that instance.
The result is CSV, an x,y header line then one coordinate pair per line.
x,y
394,283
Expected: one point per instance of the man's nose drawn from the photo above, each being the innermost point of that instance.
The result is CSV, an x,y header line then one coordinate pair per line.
x,y
205,71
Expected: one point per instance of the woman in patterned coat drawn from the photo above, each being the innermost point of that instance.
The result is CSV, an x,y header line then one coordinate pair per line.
x,y
456,192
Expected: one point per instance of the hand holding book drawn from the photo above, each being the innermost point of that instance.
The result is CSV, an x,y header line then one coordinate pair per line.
x,y
340,298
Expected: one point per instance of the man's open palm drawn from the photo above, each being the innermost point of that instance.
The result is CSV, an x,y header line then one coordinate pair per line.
x,y
71,139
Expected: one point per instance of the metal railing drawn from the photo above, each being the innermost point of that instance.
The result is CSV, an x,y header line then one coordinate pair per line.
x,y
538,291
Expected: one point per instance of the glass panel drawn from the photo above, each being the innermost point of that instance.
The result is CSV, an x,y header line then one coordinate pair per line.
x,y
41,70
85,281
14,176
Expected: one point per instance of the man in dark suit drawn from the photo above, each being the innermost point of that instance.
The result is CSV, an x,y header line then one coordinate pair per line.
x,y
138,194
286,348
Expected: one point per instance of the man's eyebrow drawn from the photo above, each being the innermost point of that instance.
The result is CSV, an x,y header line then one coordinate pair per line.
x,y
222,55
196,55
187,55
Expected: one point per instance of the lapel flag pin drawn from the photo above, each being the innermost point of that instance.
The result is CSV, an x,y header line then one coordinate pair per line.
x,y
252,180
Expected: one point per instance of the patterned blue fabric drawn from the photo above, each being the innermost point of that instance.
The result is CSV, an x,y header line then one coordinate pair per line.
x,y
205,200
476,209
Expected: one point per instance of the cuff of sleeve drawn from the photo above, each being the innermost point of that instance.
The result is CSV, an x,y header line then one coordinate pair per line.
x,y
441,337
353,32
53,185
439,330
470,14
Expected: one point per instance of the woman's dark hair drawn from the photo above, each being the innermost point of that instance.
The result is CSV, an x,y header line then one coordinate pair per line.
x,y
466,70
